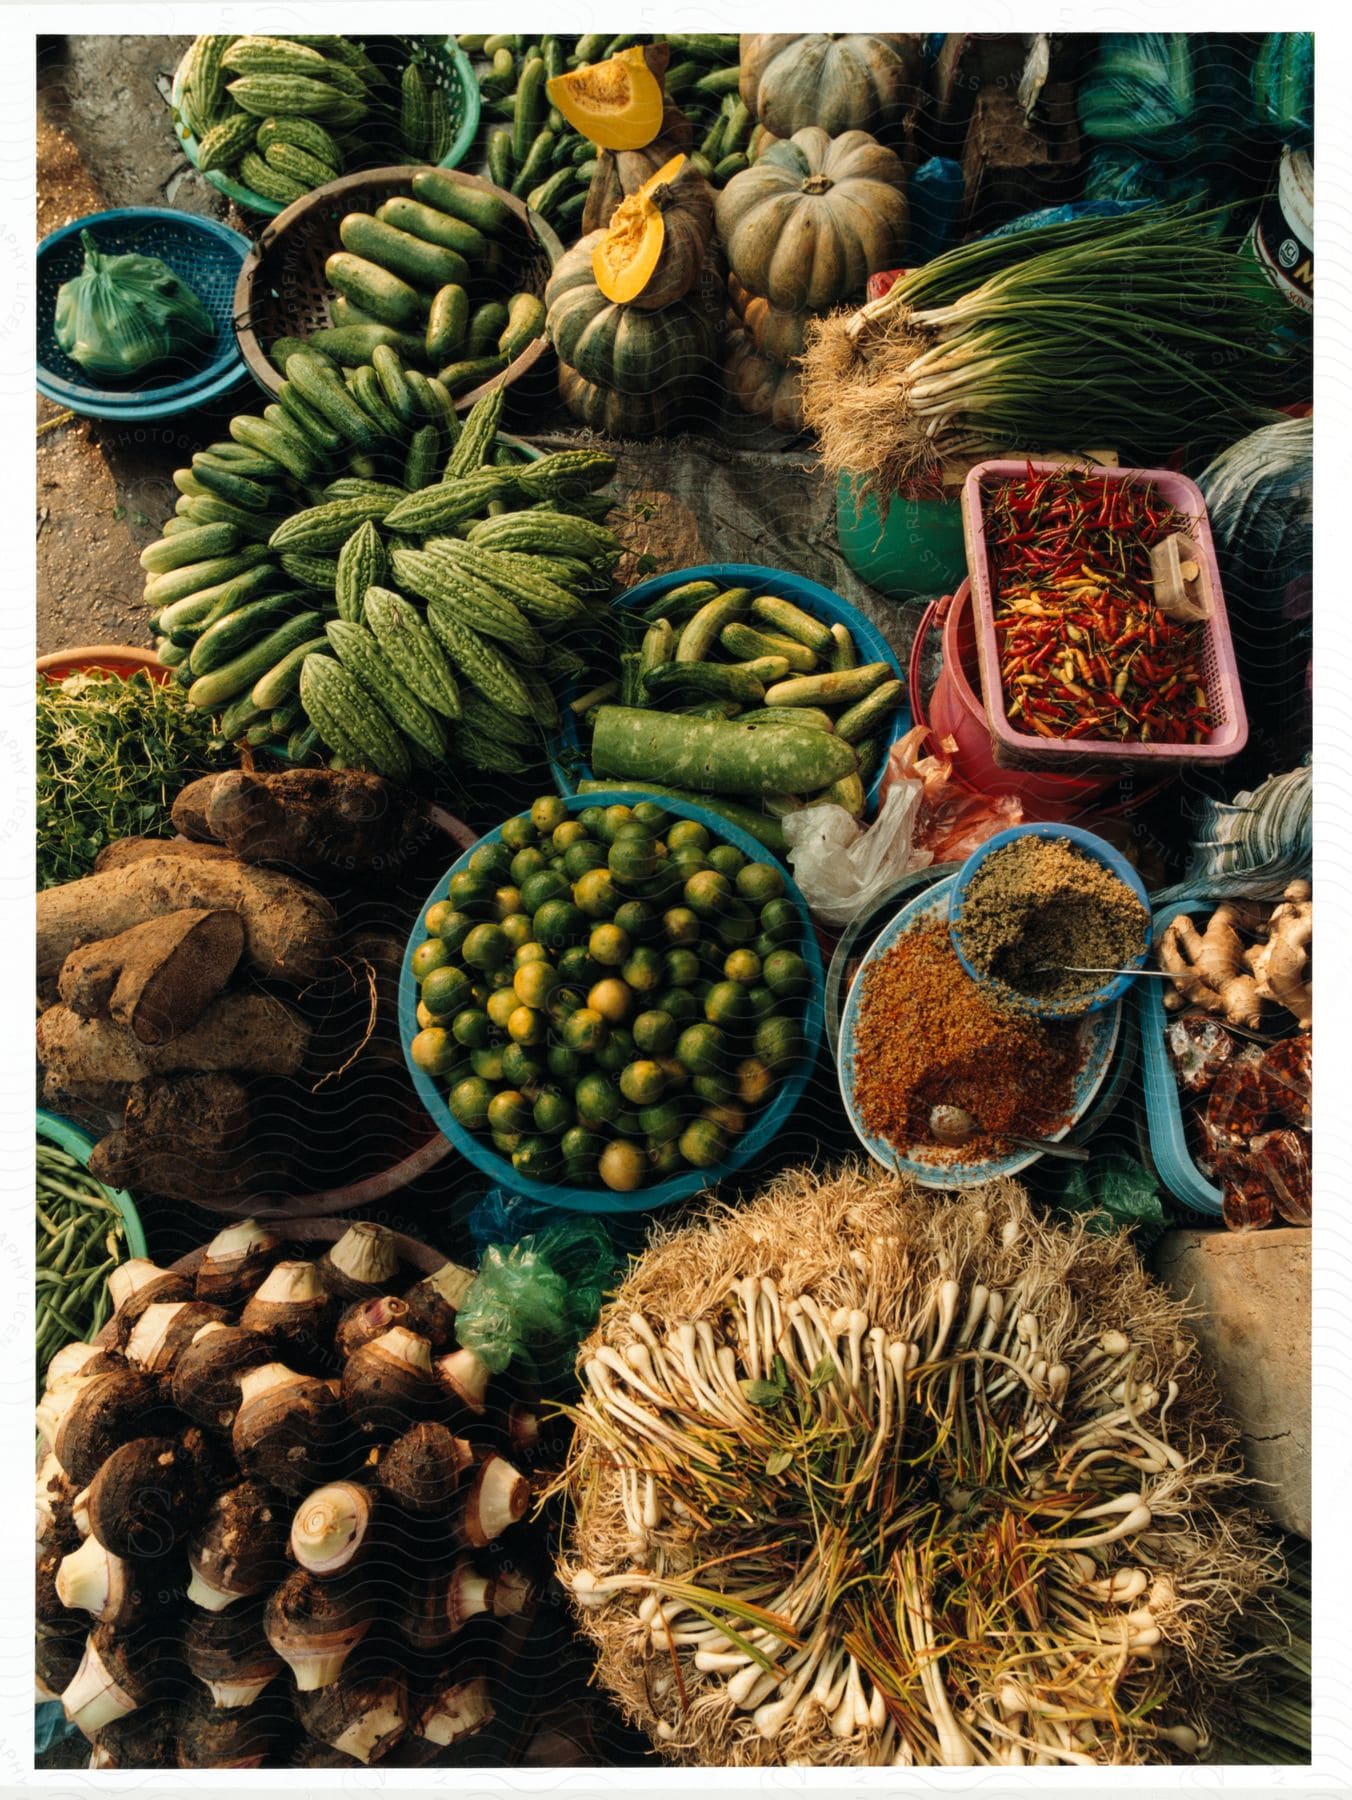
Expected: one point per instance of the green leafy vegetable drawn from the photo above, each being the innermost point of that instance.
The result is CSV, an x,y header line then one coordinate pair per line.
x,y
121,314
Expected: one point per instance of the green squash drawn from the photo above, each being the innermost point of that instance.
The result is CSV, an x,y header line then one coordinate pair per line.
x,y
842,81
620,346
122,314
622,415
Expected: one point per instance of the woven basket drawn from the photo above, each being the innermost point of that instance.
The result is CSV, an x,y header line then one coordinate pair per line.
x,y
441,59
282,291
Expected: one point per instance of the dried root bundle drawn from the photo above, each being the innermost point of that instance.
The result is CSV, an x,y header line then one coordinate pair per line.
x,y
864,1474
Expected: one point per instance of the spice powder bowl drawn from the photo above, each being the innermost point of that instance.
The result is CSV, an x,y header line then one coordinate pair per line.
x,y
1098,850
928,1164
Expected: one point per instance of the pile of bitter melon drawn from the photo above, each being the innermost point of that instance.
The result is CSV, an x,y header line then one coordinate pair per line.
x,y
363,576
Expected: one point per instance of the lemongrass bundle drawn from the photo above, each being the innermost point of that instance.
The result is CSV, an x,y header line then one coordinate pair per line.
x,y
865,1474
1147,331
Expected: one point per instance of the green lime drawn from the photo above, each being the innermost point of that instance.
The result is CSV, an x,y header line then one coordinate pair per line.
x,y
680,926
500,1006
424,1018
622,1166
754,1081
759,882
786,973
506,1142
664,1159
688,834
518,832
703,1144
632,859
682,967
727,859
649,813
526,863
430,954
435,917
563,1064
644,971
469,1100
595,894
562,1003
626,1122
726,1004
642,1083
553,1112
570,832
728,1116
712,1089
779,920
470,893
708,893
527,1026
593,817
662,1122
611,820
584,1031
492,861
678,1076
576,966
743,966
506,902
736,923
777,1042
516,929
548,813
558,922
617,1050
486,948
612,999
446,990
581,858
580,1146
654,1032
529,952
487,1063
521,1067
700,1049
536,1158
509,1110
636,918
597,1100
680,1005
544,884
608,945
471,1028
434,1051
455,927
685,863
534,982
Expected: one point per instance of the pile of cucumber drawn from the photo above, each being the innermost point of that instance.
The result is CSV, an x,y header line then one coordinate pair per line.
x,y
767,703
360,575
528,146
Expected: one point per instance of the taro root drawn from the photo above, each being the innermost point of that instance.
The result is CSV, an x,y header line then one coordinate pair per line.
x,y
331,1528
135,1285
239,1547
211,1737
364,1715
291,1308
55,1494
499,1496
314,1626
434,1302
236,1261
422,1469
443,1602
49,1606
511,1593
230,1655
289,1430
144,1498
139,1740
523,1428
457,1709
207,1372
93,1580
467,1376
58,1650
103,1412
367,1319
388,1384
362,1264
164,1331
311,1754
81,1359
120,1670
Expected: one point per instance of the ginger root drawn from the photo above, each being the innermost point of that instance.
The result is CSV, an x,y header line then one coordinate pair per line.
x,y
1208,968
1280,966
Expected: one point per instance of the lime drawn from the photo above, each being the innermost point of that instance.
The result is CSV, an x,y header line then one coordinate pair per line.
x,y
471,1028
708,893
492,861
779,920
680,1005
562,1003
763,1002
685,863
487,1063
626,1122
682,967
558,922
506,1142
544,884
454,927
649,813
703,1143
678,1076
608,945
595,893
580,1149
563,1064
516,929
632,859
612,999
617,1050
570,832
584,1031
654,1032
664,1159
736,923
518,832
434,1051
500,1006
622,1167
593,817
637,919
576,966
529,952
680,925
663,1122
754,1081
786,973
727,859
553,1112
777,1042
743,966
470,893
712,1089
526,863
726,1004
430,954
764,945
611,820
700,1049
688,834
522,1067
534,982
759,882
486,948
597,1100
548,813
424,1017
509,1110
644,971
435,917
581,858
537,1158
642,1083
506,902
469,1100
728,1116
527,1026
446,990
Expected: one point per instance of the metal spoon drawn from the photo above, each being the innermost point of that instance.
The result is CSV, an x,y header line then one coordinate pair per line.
x,y
953,1126
1079,969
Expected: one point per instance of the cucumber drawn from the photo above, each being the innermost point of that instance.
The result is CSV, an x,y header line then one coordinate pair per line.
x,y
500,157
724,756
239,675
702,631
179,583
188,547
541,199
183,619
459,377
794,715
674,681
841,685
316,429
283,678
743,641
322,390
681,603
169,653
531,107
434,227
728,166
239,490
525,323
240,716
412,258
374,289
488,213
240,461
766,669
720,81
365,387
658,647
424,453
351,345
485,328
859,720
284,448
536,163
843,653
233,633
285,718
447,322
251,527
390,374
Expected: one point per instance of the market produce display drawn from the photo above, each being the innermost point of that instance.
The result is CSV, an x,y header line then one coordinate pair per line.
x,y
611,994
124,314
256,1520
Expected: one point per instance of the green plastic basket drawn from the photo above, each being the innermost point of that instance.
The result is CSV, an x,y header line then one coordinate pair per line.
x,y
441,59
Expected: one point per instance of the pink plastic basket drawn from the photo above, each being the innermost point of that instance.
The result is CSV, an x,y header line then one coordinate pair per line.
x,y
1014,749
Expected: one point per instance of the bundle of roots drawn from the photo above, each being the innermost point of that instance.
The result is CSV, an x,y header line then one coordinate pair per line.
x,y
867,1474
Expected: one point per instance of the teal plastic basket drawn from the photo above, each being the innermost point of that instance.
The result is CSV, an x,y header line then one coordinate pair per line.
x,y
441,59
68,1136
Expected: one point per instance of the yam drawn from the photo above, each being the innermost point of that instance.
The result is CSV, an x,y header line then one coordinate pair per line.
x,y
197,1114
131,850
254,1033
98,1105
157,978
307,819
288,928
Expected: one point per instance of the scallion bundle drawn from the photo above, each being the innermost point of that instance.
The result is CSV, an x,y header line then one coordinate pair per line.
x,y
1148,332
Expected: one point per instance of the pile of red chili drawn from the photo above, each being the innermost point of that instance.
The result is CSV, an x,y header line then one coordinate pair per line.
x,y
928,1035
1084,650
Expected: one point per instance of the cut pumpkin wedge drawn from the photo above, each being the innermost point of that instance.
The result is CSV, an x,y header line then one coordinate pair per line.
x,y
616,104
630,249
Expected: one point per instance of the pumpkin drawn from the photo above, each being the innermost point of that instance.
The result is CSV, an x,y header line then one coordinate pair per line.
x,y
652,251
779,335
838,80
617,104
761,386
623,347
623,172
813,218
620,415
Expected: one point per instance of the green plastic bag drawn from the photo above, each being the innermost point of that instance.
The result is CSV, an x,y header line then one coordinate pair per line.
x,y
1115,1191
121,314
532,1302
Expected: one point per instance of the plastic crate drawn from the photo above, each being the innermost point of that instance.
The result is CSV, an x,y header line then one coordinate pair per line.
x,y
1220,673
1163,1102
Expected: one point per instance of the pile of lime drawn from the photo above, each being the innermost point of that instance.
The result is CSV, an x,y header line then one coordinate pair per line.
x,y
610,993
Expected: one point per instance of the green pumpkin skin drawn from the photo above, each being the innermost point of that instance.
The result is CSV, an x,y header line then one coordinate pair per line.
x,y
621,347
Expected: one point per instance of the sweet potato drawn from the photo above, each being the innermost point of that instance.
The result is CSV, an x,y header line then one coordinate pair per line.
x,y
157,978
255,1033
307,819
288,928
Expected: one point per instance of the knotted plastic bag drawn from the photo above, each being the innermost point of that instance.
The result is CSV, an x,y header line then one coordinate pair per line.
x,y
532,1302
121,314
840,866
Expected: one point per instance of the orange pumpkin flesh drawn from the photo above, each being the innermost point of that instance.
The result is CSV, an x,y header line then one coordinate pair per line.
x,y
616,104
625,258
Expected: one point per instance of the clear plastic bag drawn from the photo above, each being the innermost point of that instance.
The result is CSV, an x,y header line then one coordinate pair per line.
x,y
532,1302
841,866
